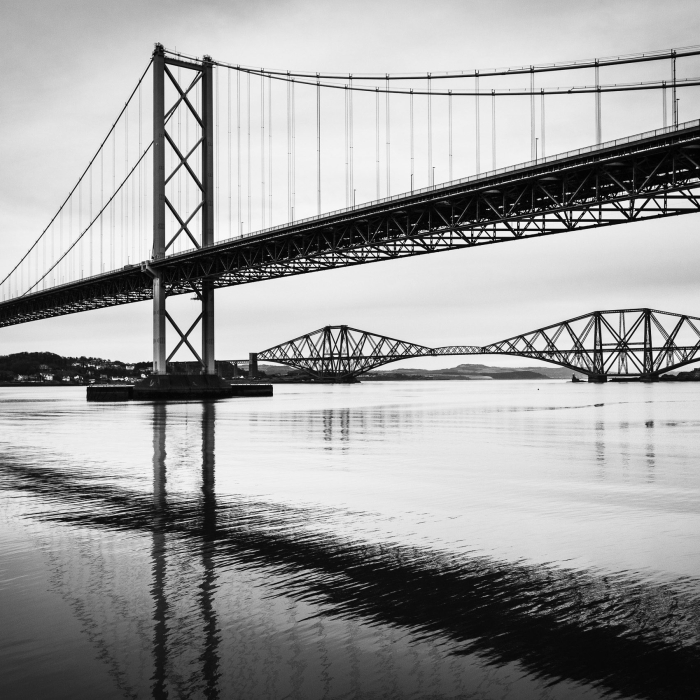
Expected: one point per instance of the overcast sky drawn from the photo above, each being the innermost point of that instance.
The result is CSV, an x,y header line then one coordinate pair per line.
x,y
67,68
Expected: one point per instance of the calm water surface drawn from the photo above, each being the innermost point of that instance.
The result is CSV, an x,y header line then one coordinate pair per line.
x,y
385,540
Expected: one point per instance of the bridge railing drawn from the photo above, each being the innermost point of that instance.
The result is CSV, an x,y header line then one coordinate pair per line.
x,y
366,205
695,123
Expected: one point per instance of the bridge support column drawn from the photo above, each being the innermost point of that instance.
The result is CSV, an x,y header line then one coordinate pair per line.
x,y
253,365
159,362
207,291
186,219
208,356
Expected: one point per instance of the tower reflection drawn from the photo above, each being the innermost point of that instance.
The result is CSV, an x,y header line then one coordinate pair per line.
x,y
210,656
160,603
207,673
303,606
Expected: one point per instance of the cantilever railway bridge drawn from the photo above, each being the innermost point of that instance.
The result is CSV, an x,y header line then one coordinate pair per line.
x,y
639,343
177,250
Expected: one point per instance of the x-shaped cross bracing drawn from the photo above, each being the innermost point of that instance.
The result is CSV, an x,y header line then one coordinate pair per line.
x,y
644,344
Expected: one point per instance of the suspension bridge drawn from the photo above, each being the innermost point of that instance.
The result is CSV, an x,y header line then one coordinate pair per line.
x,y
630,343
247,174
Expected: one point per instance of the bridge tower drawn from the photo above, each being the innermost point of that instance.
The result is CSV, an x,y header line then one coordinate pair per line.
x,y
200,215
648,374
598,376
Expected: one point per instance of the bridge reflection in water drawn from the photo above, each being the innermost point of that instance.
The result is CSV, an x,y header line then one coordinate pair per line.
x,y
256,599
206,672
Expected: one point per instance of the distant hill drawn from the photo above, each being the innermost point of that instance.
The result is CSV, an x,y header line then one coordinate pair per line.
x,y
464,371
475,371
48,367
32,362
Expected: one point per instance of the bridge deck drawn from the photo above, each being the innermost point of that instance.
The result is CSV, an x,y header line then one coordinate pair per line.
x,y
648,175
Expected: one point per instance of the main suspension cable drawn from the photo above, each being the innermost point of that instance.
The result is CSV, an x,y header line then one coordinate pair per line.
x,y
79,238
681,52
505,92
89,165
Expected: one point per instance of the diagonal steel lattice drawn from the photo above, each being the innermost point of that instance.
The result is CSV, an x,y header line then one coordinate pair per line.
x,y
642,343
647,176
341,353
634,343
193,94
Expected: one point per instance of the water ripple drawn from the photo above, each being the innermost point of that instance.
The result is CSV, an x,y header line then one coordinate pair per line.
x,y
616,632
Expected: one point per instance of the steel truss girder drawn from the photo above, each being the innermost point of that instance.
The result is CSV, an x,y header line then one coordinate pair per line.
x,y
644,179
341,353
625,342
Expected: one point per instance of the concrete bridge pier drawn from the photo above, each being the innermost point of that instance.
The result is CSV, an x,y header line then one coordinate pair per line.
x,y
253,365
597,378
